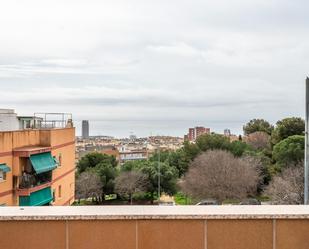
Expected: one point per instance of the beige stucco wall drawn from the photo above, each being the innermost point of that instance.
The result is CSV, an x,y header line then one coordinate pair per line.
x,y
64,176
156,234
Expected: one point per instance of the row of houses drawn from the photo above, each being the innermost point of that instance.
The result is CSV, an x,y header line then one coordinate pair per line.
x,y
121,153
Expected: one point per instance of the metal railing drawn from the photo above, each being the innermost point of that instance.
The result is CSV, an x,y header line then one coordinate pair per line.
x,y
53,120
30,181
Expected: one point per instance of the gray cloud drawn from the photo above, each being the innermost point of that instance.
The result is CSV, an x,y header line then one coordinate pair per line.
x,y
211,63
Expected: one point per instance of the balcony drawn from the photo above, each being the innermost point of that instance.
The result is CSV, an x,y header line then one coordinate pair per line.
x,y
30,183
153,227
35,182
35,190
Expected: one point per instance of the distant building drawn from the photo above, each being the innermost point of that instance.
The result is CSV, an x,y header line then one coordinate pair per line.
x,y
191,134
133,137
200,131
194,133
85,129
132,154
110,150
227,132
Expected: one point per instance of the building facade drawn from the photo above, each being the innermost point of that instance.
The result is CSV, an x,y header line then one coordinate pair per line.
x,y
85,129
137,155
37,167
132,154
194,133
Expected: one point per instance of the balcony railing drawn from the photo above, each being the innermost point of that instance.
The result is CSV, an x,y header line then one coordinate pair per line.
x,y
53,120
29,183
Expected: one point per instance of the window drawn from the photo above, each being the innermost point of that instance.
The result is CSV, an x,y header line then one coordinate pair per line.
x,y
54,195
60,160
59,191
2,176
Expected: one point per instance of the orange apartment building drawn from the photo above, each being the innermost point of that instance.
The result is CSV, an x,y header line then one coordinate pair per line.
x,y
37,166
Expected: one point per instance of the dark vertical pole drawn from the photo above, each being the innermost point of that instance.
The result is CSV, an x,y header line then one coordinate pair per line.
x,y
159,175
306,145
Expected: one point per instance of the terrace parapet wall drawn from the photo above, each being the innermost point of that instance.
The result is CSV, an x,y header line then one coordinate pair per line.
x,y
157,227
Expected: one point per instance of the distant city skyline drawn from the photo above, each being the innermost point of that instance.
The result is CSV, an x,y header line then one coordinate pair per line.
x,y
125,128
177,63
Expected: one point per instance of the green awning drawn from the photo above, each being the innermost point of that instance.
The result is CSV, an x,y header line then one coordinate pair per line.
x,y
39,198
4,168
43,162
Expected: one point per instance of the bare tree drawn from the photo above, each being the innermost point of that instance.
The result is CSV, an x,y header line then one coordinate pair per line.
x,y
287,187
88,185
257,163
131,182
218,174
258,140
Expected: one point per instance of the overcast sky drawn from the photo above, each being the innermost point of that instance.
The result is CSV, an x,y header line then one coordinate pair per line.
x,y
158,66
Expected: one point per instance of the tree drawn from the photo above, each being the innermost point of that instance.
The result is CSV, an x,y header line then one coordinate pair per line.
x,y
238,148
255,125
164,155
216,141
289,151
288,127
131,182
259,140
287,188
191,150
266,167
212,141
168,177
260,163
103,165
131,165
218,174
107,174
91,160
179,160
88,185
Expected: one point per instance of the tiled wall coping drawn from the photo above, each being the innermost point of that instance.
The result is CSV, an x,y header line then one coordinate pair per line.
x,y
153,212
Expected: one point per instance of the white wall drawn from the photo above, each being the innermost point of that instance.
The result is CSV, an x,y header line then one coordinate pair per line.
x,y
8,120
